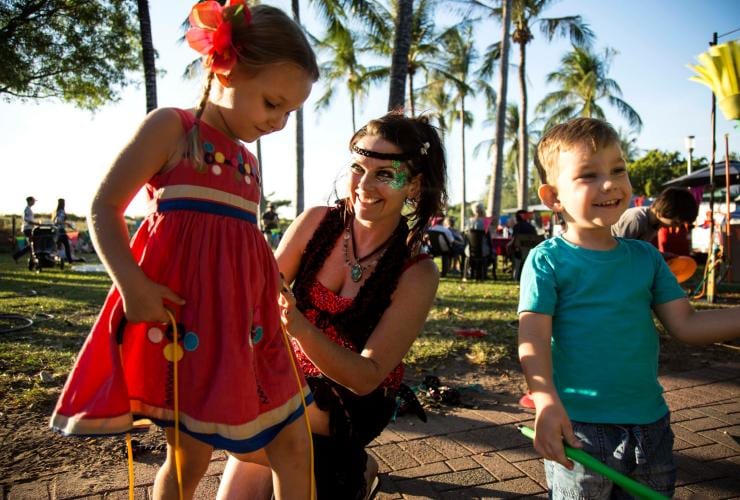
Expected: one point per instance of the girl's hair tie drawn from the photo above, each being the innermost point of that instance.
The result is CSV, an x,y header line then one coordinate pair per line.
x,y
210,32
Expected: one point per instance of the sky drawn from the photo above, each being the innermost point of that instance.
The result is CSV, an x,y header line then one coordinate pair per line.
x,y
53,150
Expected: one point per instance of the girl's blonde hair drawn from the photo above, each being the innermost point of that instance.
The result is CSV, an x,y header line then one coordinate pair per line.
x,y
271,37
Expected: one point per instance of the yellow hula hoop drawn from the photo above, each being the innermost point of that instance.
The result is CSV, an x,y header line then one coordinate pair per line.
x,y
176,403
311,480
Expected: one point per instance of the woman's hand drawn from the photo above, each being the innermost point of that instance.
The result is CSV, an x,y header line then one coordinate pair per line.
x,y
145,302
295,322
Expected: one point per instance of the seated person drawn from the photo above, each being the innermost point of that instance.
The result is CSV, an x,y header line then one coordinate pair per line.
x,y
458,245
673,207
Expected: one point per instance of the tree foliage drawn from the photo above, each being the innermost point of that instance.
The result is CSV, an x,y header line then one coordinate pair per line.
x,y
76,51
649,172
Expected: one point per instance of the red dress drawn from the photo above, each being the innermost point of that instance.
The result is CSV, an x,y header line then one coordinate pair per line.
x,y
237,386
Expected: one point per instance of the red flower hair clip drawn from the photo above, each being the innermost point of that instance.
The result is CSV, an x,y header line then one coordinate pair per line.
x,y
210,32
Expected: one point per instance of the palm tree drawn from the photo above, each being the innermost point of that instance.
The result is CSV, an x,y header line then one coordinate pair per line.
x,y
495,52
457,69
344,67
583,81
424,46
440,105
400,58
510,175
299,147
628,145
148,53
525,13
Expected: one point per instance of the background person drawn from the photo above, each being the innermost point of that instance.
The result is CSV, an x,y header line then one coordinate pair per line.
x,y
59,219
362,293
28,223
201,256
270,221
672,208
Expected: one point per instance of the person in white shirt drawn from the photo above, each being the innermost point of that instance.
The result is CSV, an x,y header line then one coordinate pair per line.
x,y
28,224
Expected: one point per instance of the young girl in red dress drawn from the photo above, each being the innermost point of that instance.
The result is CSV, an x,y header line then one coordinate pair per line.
x,y
200,256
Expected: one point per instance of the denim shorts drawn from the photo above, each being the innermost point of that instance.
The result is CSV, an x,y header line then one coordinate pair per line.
x,y
642,452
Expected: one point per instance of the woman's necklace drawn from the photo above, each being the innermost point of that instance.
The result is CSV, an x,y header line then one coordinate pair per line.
x,y
357,269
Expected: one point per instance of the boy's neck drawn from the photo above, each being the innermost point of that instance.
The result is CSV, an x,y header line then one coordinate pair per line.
x,y
591,238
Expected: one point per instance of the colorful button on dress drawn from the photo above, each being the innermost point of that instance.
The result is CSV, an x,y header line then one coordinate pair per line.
x,y
237,386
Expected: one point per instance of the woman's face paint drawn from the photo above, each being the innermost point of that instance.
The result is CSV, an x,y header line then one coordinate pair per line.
x,y
401,177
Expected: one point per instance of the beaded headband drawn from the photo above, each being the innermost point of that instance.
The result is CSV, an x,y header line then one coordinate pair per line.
x,y
423,151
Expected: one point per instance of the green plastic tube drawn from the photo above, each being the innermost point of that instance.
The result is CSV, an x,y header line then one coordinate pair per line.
x,y
583,458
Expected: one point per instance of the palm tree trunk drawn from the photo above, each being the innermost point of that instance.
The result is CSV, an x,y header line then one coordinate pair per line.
x,y
400,59
411,94
462,139
523,193
299,150
354,122
147,51
494,192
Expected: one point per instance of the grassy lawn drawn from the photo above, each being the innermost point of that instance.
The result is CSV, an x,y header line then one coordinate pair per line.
x,y
64,305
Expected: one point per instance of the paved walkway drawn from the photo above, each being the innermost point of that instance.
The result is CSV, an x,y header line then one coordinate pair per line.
x,y
478,453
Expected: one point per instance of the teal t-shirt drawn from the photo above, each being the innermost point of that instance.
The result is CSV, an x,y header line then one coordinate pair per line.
x,y
604,341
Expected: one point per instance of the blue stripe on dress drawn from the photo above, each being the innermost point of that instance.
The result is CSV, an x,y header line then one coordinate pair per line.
x,y
208,207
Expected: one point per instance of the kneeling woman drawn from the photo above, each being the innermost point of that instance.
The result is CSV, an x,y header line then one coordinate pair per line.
x,y
361,291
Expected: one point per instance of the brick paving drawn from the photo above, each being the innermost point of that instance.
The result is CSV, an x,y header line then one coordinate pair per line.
x,y
478,453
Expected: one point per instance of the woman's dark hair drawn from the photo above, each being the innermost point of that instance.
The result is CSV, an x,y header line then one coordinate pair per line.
x,y
418,140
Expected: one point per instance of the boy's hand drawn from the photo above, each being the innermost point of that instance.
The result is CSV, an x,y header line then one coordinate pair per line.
x,y
145,302
551,427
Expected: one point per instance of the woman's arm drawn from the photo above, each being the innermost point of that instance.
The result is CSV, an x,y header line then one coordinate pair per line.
x,y
146,153
397,329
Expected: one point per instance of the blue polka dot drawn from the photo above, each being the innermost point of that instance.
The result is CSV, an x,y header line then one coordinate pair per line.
x,y
190,342
209,147
241,169
256,334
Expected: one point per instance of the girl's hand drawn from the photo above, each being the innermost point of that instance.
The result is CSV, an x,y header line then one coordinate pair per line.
x,y
146,302
295,322
552,426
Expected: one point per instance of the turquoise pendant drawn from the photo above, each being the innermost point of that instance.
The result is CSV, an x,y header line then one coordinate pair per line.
x,y
356,273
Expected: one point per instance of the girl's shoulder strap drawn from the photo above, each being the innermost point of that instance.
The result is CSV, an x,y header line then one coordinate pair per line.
x,y
186,117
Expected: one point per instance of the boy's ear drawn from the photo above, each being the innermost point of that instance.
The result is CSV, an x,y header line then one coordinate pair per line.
x,y
549,196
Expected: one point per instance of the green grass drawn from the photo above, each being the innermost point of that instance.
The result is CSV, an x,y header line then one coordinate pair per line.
x,y
64,305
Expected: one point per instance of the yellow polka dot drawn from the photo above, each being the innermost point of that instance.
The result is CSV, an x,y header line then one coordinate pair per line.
x,y
248,167
220,157
173,350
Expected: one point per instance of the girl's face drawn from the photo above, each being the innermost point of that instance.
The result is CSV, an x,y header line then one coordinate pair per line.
x,y
378,188
593,188
257,105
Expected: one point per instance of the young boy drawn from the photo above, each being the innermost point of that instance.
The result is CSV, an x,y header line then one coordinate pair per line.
x,y
587,341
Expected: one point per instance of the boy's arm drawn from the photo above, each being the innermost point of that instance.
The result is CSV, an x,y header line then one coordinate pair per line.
x,y
698,327
552,424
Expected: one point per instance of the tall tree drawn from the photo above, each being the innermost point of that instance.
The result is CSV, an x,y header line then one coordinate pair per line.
x,y
583,81
525,14
400,59
498,51
456,68
78,52
344,68
148,54
299,146
424,46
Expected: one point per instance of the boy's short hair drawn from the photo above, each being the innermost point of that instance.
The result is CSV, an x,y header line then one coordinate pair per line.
x,y
676,204
597,133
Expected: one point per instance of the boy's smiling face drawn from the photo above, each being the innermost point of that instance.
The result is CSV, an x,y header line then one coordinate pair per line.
x,y
592,188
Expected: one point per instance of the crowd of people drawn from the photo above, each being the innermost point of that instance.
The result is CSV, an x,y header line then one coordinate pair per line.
x,y
315,331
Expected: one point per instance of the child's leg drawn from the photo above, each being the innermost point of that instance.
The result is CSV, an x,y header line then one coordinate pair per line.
x,y
289,457
194,458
